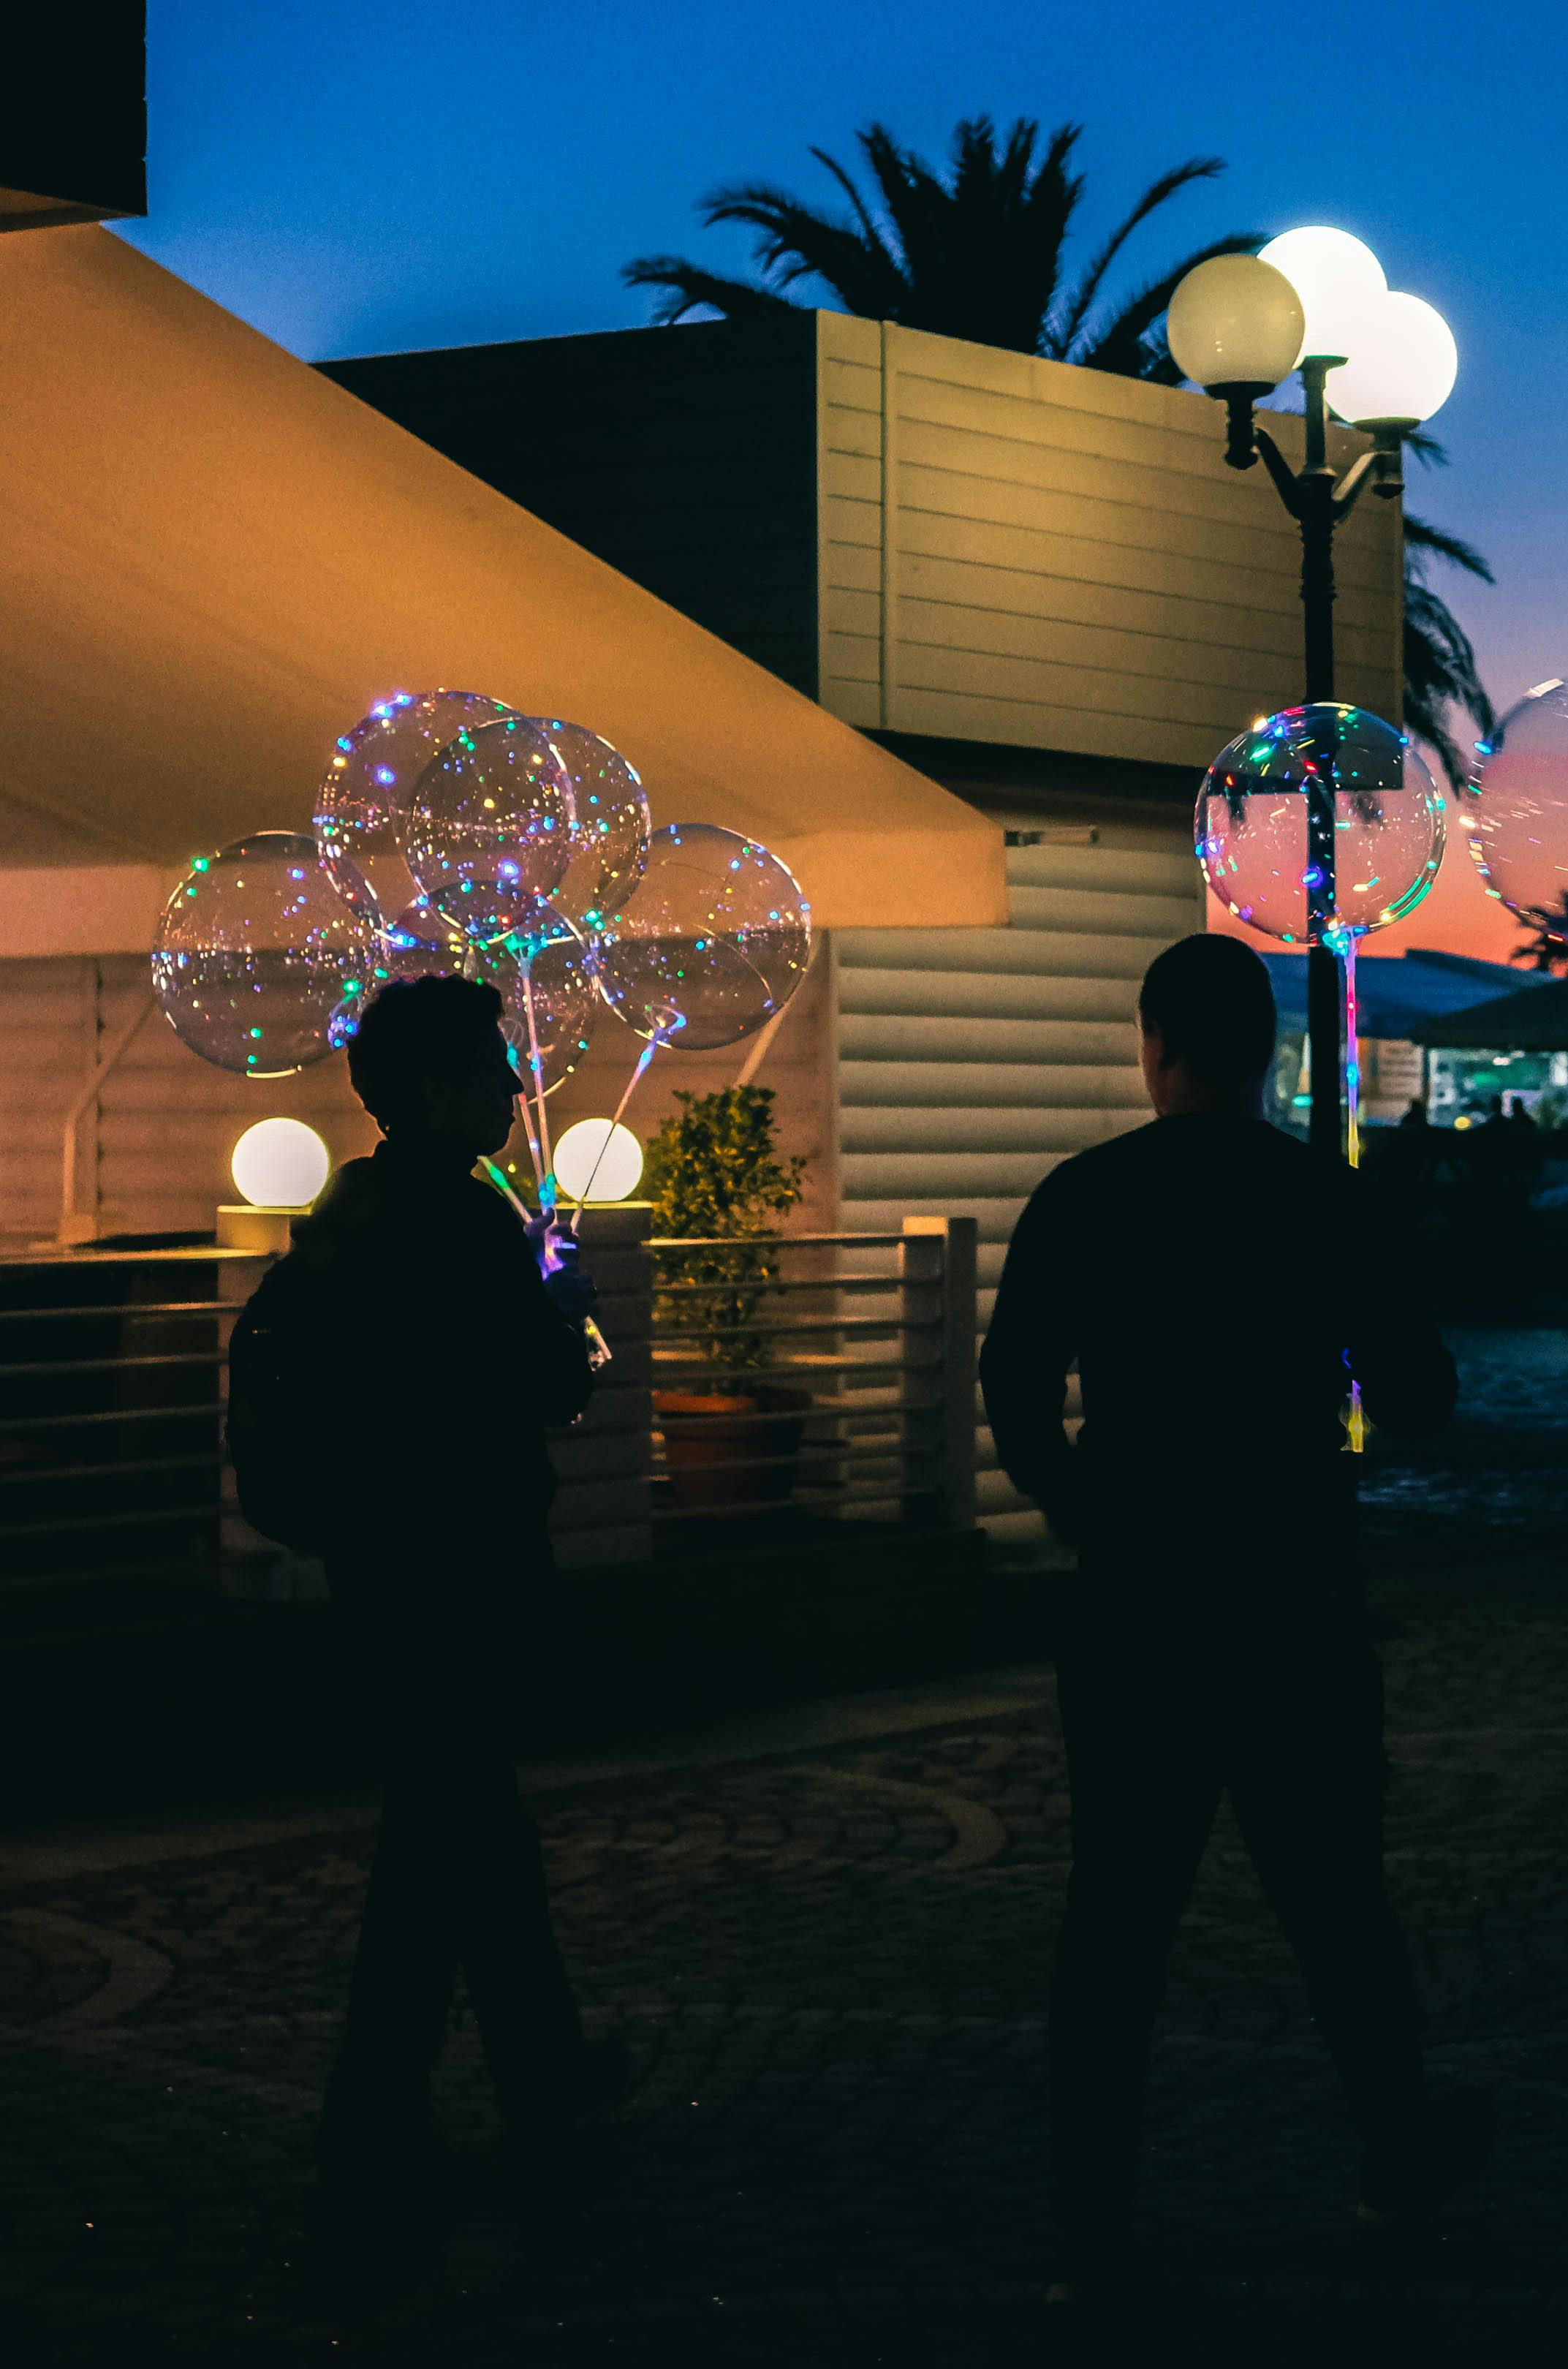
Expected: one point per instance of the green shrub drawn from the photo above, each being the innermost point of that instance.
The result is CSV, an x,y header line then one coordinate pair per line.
x,y
713,1175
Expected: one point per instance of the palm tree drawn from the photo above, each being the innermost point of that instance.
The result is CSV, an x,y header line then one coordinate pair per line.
x,y
977,253
980,254
1439,659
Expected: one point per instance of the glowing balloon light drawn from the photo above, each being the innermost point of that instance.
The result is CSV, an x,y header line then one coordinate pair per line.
x,y
598,1160
280,1164
371,776
488,831
714,943
547,967
1251,836
609,840
1515,811
260,948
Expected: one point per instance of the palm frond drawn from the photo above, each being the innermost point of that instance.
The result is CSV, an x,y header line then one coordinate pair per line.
x,y
1158,193
1421,538
688,287
795,242
850,188
1426,449
1440,673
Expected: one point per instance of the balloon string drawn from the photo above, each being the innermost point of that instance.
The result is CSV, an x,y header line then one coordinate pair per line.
x,y
643,1058
1356,1424
536,1069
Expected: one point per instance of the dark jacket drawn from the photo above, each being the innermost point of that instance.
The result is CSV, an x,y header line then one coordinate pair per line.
x,y
1219,1286
453,1359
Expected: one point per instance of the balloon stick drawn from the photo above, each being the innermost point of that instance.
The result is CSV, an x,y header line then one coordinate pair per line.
x,y
536,1069
1357,1422
660,1037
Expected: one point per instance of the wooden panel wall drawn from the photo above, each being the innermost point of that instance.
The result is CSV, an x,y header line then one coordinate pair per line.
x,y
1017,551
153,1149
972,1062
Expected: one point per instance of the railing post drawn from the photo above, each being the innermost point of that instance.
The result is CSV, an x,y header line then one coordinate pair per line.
x,y
938,1264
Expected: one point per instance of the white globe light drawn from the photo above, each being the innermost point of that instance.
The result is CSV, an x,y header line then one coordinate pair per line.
x,y
1334,275
1401,364
598,1160
280,1164
1235,321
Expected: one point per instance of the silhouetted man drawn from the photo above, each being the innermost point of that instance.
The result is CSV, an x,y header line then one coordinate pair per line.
x,y
1213,1278
454,1354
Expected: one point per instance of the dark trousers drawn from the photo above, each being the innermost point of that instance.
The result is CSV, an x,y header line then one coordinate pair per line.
x,y
456,1886
1159,1718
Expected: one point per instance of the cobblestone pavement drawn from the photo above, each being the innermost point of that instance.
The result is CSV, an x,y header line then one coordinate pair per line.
x,y
828,1966
1502,1468
824,1943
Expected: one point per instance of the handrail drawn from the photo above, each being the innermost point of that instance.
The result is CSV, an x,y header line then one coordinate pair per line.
x,y
127,1313
776,1242
866,1373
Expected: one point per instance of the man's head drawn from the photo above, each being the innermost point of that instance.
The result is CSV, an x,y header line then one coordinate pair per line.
x,y
428,1060
1206,1009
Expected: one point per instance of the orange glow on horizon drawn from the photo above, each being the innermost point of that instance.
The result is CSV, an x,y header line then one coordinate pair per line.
x,y
1457,918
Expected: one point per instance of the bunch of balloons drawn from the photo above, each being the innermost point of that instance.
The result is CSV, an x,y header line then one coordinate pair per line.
x,y
454,835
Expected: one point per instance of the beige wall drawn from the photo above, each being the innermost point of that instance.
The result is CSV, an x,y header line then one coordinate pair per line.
x,y
1018,551
154,1147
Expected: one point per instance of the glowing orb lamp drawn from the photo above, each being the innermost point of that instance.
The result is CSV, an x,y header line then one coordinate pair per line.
x,y
1338,280
596,1159
280,1164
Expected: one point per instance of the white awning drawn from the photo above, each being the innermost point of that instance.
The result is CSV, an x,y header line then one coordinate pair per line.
x,y
217,560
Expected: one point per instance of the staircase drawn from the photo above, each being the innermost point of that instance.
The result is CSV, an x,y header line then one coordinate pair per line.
x,y
972,1062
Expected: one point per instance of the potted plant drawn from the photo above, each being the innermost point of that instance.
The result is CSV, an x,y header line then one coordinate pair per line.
x,y
714,1178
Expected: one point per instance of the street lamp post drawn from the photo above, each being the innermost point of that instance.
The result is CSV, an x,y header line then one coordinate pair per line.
x,y
1316,300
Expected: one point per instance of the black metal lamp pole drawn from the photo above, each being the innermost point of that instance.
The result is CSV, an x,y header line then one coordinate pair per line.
x,y
1317,502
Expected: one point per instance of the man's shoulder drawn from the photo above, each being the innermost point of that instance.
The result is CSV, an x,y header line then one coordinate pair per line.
x,y
1102,1163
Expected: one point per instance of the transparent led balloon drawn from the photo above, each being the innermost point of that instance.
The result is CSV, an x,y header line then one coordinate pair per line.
x,y
609,842
372,773
489,830
547,965
259,949
422,943
1319,825
714,940
1515,811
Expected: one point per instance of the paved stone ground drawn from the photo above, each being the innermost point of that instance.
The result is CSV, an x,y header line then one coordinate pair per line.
x,y
823,1937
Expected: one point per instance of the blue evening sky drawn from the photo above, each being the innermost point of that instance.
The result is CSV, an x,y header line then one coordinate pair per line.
x,y
361,175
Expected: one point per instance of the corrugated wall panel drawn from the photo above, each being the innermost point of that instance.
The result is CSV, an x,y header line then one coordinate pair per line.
x,y
1060,558
972,1062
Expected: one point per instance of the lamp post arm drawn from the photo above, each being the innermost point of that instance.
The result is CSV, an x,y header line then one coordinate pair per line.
x,y
1279,469
1369,469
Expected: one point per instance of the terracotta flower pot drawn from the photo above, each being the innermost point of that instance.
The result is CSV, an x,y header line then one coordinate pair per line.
x,y
716,1438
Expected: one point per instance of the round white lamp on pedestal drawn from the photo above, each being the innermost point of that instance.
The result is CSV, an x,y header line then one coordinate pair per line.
x,y
279,1165
596,1159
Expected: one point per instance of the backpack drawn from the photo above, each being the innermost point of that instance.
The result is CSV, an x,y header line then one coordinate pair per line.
x,y
284,1438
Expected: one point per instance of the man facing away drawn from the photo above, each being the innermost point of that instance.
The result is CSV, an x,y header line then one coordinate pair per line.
x,y
452,1354
1214,1279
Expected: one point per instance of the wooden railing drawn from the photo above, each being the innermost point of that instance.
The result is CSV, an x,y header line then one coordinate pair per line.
x,y
855,1405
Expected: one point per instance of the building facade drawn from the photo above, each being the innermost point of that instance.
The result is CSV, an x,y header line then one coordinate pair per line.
x,y
1039,586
